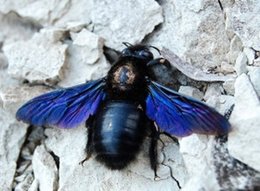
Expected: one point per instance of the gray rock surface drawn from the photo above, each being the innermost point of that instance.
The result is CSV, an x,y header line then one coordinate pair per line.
x,y
246,121
45,169
50,44
195,31
243,19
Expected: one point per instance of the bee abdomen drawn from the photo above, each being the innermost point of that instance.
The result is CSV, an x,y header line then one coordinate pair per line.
x,y
118,133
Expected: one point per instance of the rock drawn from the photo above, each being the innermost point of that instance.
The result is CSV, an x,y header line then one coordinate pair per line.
x,y
242,18
86,60
76,11
243,141
221,103
12,99
240,65
192,71
191,91
226,68
250,54
45,169
229,87
110,21
213,90
234,49
3,62
194,31
196,152
254,75
25,184
15,28
12,136
69,145
49,11
29,59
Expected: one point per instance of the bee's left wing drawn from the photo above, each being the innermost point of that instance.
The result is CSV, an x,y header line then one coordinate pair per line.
x,y
65,108
181,115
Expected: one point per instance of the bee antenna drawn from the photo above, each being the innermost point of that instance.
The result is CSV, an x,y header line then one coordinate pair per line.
x,y
156,49
127,44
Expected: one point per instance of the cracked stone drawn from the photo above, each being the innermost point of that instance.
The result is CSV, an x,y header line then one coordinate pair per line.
x,y
194,31
191,91
213,90
243,19
86,60
12,136
240,65
229,87
39,59
254,75
45,169
110,21
243,141
196,151
250,54
234,50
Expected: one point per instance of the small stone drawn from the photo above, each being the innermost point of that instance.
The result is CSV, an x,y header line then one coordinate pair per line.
x,y
243,141
243,20
250,54
12,136
226,68
229,87
196,151
191,91
213,90
25,184
254,75
257,62
3,61
92,44
221,103
240,65
45,169
38,60
86,60
235,49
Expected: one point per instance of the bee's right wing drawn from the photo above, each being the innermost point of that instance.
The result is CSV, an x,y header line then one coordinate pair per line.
x,y
65,108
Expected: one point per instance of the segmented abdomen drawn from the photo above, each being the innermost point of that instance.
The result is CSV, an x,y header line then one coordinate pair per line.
x,y
118,133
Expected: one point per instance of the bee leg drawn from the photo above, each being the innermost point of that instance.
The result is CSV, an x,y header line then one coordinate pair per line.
x,y
89,147
153,154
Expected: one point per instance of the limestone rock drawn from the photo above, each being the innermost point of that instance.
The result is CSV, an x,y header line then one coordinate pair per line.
x,y
240,65
194,31
118,26
254,75
38,60
243,140
86,60
45,169
243,19
12,136
191,91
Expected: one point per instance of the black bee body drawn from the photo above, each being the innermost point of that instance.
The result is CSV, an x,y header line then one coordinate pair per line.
x,y
120,124
118,133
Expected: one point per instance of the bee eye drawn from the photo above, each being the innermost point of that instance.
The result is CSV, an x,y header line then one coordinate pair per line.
x,y
126,52
145,54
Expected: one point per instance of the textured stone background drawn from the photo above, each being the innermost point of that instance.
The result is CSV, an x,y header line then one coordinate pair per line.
x,y
64,43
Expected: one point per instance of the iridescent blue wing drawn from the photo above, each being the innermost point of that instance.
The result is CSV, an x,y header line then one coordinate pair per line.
x,y
181,115
64,108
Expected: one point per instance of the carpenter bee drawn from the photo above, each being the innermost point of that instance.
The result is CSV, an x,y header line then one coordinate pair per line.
x,y
119,109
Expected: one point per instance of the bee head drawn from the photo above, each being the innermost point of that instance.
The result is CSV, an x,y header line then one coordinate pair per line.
x,y
137,51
